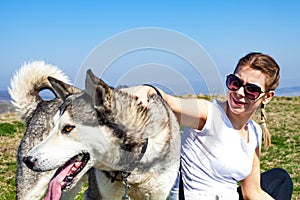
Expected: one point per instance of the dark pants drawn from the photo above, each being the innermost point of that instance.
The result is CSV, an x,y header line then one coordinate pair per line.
x,y
277,183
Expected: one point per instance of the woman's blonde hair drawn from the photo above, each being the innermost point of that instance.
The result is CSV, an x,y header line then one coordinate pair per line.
x,y
268,66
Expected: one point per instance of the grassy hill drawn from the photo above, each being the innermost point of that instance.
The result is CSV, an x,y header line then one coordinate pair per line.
x,y
283,123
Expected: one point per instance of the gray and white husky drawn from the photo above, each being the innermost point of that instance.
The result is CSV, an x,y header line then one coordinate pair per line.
x,y
106,129
37,115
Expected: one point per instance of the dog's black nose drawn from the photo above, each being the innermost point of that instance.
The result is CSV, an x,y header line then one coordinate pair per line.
x,y
29,161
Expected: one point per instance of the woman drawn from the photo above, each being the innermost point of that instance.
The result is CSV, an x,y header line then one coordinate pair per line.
x,y
221,143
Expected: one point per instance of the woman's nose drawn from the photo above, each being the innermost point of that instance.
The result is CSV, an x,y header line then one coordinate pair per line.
x,y
241,91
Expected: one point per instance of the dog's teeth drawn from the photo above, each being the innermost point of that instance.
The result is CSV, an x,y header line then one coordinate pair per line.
x,y
69,178
74,169
62,184
68,185
79,157
77,164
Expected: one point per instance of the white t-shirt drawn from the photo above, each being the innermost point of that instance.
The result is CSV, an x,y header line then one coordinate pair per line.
x,y
214,159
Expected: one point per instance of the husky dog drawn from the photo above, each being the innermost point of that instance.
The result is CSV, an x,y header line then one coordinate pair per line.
x,y
37,115
134,151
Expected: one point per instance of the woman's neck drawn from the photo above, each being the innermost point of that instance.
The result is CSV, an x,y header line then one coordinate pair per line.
x,y
238,121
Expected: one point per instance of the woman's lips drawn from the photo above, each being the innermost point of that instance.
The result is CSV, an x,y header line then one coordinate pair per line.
x,y
237,102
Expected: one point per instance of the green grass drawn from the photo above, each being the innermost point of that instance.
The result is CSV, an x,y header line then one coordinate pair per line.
x,y
283,123
11,132
8,129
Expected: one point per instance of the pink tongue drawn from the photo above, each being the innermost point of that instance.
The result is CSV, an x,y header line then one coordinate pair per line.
x,y
54,187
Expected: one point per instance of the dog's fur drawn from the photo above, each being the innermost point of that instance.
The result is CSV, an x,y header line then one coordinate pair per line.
x,y
113,133
37,115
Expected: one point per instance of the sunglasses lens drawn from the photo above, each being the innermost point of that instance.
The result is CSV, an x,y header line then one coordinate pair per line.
x,y
233,82
252,91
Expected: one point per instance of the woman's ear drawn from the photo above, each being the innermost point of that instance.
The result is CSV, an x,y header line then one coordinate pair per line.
x,y
268,96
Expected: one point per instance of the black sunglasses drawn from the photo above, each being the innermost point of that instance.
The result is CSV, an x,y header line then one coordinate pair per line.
x,y
234,83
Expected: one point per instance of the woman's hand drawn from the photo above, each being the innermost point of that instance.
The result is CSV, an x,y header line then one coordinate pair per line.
x,y
141,93
189,112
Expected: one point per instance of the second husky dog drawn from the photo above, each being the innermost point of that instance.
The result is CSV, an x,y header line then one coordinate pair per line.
x,y
108,130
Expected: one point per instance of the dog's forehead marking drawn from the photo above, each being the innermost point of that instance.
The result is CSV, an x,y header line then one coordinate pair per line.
x,y
71,99
56,116
62,109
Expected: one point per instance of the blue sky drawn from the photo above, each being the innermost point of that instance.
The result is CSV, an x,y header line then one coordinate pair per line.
x,y
65,32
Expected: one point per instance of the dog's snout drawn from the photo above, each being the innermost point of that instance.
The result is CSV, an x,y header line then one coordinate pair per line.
x,y
29,161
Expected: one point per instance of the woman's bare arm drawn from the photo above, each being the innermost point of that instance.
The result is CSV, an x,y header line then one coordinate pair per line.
x,y
189,112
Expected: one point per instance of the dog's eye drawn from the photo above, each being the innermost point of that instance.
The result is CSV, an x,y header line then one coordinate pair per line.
x,y
67,129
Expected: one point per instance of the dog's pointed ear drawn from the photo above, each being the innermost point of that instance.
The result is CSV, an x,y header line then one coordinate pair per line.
x,y
61,89
97,89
